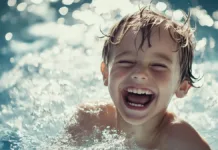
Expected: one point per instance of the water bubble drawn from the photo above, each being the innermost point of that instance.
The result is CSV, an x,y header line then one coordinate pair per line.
x,y
67,2
201,44
216,24
76,1
12,60
63,10
206,20
85,6
54,1
21,6
61,20
212,42
215,15
12,3
161,6
8,36
178,15
169,13
37,1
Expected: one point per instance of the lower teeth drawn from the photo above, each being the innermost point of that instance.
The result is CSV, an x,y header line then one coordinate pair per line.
x,y
136,105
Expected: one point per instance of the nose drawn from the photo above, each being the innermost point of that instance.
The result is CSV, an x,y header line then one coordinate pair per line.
x,y
139,75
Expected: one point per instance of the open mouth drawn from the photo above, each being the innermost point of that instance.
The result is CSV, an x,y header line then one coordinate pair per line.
x,y
137,99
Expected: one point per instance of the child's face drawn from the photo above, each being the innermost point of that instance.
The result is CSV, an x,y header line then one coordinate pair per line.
x,y
155,69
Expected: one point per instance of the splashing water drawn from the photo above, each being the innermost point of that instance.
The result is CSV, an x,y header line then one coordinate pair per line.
x,y
49,63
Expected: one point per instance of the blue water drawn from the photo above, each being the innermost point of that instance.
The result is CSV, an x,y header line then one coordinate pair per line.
x,y
48,66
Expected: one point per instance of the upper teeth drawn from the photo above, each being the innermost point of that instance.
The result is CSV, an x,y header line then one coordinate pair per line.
x,y
139,91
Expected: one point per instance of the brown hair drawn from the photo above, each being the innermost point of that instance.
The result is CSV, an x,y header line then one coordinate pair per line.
x,y
143,21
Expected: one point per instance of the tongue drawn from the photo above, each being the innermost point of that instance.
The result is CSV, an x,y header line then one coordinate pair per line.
x,y
138,98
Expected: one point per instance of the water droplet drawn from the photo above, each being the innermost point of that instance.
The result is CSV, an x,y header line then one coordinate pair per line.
x,y
12,60
8,36
37,1
63,10
161,6
12,3
61,20
21,6
67,2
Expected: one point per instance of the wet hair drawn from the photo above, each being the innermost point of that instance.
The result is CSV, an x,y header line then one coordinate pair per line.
x,y
143,21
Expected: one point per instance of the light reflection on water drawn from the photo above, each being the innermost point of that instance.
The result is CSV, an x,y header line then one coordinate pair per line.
x,y
50,63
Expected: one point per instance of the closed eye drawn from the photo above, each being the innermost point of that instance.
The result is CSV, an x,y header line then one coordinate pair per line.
x,y
159,67
125,62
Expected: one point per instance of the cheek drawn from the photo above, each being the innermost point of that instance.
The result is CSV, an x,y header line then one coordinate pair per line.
x,y
166,81
118,73
116,76
162,77
121,74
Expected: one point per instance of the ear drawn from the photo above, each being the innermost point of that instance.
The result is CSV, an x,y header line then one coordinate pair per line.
x,y
104,71
183,89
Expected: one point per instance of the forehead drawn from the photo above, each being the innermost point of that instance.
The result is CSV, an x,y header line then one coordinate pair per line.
x,y
160,41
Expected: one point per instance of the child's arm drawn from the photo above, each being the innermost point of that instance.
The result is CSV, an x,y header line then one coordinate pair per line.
x,y
183,137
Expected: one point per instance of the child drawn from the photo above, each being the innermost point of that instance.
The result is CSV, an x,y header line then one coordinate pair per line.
x,y
147,58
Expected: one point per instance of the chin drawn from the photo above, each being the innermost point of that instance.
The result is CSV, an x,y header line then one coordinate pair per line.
x,y
136,122
134,119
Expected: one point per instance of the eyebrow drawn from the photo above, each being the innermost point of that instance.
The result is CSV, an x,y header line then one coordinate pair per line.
x,y
163,56
156,54
123,53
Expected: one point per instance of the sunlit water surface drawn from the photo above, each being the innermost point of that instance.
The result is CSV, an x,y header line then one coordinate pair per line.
x,y
50,61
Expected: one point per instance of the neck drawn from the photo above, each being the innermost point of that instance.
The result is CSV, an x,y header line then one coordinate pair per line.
x,y
144,134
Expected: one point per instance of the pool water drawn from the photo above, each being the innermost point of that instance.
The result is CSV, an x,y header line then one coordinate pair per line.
x,y
50,56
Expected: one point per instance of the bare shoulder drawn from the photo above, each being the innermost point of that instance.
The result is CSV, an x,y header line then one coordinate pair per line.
x,y
182,136
90,115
